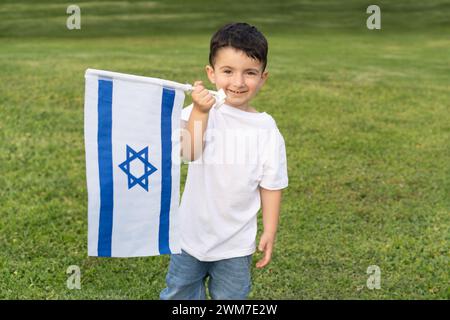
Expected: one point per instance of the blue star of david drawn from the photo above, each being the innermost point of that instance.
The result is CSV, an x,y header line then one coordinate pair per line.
x,y
148,168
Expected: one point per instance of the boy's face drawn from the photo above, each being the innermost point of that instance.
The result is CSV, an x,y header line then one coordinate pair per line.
x,y
238,75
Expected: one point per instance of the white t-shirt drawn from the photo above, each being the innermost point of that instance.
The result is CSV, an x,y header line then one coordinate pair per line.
x,y
221,199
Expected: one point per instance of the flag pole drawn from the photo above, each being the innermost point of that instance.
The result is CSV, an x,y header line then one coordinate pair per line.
x,y
220,95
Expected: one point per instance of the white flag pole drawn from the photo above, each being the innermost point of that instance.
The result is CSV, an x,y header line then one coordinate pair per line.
x,y
218,95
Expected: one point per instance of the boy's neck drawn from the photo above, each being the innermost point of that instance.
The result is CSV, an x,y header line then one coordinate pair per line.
x,y
245,108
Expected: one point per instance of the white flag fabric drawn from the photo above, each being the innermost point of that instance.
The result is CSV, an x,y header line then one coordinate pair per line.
x,y
133,178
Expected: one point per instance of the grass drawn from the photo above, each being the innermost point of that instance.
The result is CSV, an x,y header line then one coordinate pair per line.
x,y
365,115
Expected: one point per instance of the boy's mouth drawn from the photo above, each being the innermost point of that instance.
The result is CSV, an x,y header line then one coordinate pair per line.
x,y
236,91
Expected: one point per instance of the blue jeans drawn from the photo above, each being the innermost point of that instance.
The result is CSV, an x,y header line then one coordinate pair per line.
x,y
228,279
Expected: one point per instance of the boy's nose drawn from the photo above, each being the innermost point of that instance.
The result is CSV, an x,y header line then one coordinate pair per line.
x,y
238,80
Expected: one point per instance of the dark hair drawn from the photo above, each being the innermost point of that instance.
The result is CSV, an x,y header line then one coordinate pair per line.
x,y
241,36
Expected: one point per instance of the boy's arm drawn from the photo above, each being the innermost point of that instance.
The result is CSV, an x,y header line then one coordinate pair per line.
x,y
197,123
271,203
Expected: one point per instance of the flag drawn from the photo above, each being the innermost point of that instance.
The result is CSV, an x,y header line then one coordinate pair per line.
x,y
133,178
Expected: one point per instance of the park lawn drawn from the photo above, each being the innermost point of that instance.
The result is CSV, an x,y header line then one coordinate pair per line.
x,y
365,117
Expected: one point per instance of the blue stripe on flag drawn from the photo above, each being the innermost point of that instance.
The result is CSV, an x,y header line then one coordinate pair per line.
x,y
105,167
168,98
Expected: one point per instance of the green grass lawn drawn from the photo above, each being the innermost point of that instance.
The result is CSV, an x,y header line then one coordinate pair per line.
x,y
365,115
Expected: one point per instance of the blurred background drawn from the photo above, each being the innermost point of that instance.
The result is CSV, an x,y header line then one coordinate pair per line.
x,y
364,113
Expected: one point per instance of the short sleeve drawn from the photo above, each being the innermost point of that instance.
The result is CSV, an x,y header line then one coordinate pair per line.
x,y
274,175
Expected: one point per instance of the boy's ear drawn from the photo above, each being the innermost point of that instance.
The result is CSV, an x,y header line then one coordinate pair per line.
x,y
264,77
210,74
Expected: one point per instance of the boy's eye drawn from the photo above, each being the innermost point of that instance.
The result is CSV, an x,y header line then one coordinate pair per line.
x,y
250,73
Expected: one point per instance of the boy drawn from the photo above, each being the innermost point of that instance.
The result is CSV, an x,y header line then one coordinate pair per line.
x,y
222,196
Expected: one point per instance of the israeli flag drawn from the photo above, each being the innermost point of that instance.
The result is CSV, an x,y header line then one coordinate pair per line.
x,y
132,164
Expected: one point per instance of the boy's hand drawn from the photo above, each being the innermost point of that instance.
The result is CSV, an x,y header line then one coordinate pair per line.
x,y
202,99
265,245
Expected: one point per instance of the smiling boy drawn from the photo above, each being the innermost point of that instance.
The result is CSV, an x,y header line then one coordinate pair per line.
x,y
227,184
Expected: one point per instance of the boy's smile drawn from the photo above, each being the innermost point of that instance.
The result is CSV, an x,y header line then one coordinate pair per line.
x,y
238,75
